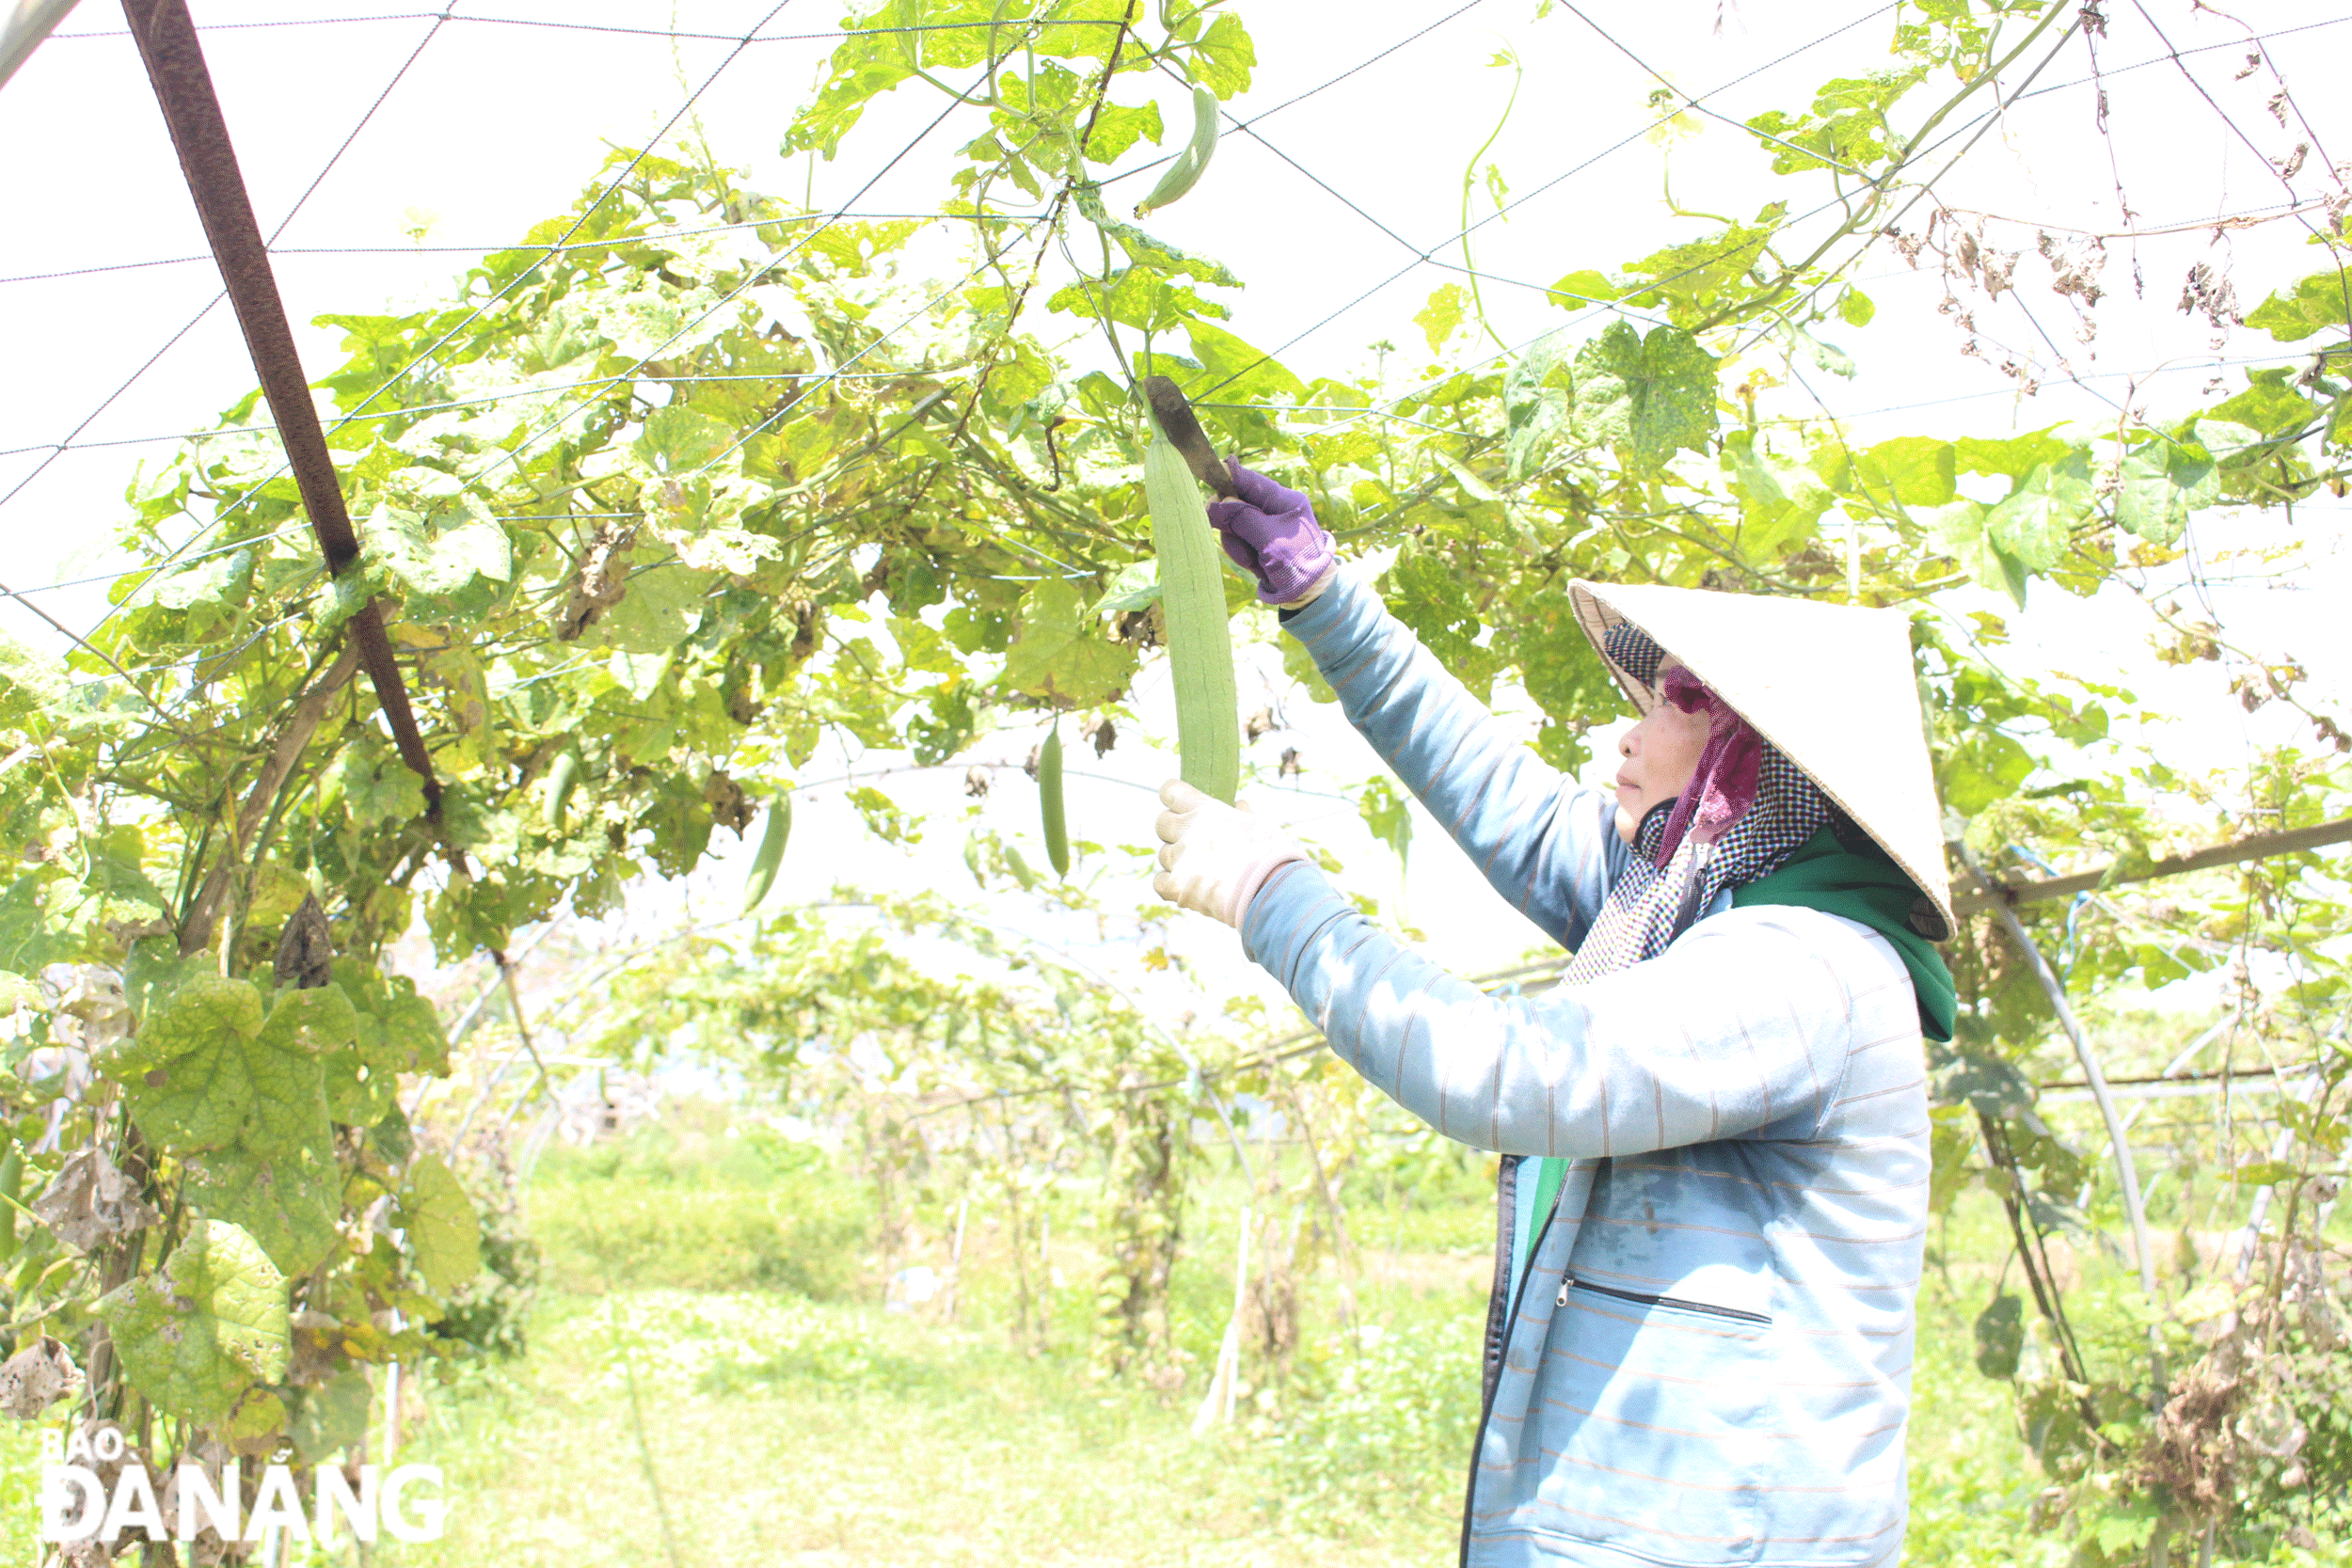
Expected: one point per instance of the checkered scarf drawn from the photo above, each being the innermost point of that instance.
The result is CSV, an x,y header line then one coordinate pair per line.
x,y
1746,810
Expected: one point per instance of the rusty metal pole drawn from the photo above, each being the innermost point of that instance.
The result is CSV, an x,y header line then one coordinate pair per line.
x,y
184,88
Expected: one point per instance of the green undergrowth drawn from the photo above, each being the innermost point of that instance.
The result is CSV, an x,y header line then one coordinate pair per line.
x,y
696,1202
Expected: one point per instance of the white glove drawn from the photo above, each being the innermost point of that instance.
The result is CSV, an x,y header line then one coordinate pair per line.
x,y
1215,858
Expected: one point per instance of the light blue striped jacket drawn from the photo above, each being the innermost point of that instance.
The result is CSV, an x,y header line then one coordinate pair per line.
x,y
1708,1360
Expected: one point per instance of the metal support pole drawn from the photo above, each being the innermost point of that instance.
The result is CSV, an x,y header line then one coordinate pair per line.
x,y
199,133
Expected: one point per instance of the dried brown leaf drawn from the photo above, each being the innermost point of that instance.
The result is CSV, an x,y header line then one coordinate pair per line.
x,y
90,1200
37,1377
306,950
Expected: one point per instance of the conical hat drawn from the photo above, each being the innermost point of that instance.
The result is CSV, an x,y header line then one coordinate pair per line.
x,y
1831,685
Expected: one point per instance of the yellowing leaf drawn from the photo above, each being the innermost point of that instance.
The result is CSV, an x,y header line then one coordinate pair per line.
x,y
2160,483
1649,397
1909,471
444,1230
1061,653
204,1327
285,1199
1442,314
2036,520
208,1068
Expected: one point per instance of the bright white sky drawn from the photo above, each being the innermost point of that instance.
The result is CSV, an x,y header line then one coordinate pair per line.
x,y
496,123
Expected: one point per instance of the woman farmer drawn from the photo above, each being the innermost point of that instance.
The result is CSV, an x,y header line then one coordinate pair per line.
x,y
1715,1133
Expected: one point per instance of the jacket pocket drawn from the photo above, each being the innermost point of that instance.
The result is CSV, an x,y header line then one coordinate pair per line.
x,y
1728,1315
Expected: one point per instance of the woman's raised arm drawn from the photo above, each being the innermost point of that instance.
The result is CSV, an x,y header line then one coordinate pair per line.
x,y
1546,844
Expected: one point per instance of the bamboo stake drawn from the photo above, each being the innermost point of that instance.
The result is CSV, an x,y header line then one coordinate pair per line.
x,y
2259,846
2283,1147
1218,1401
955,1261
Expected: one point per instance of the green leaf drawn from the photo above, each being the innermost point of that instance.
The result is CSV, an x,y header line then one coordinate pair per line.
x,y
1534,402
2224,441
2123,1531
376,786
1135,296
395,1024
437,562
26,941
444,1230
209,1068
1386,812
664,602
314,1020
362,1079
1221,61
2160,483
1247,373
287,1200
1578,290
33,682
1959,528
1563,675
2000,1337
2269,406
1984,766
1984,1081
1846,128
220,579
1781,503
2036,520
677,440
1913,471
1131,587
203,1328
2317,302
1299,663
1061,652
1120,126
1442,314
334,1416
1649,397
2012,457
1696,279
1141,248
1425,593
862,69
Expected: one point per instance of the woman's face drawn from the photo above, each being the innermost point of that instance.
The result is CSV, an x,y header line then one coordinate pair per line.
x,y
1659,755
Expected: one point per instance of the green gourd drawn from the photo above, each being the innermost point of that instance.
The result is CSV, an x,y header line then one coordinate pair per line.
x,y
1050,801
561,778
12,1184
770,856
1192,600
1192,161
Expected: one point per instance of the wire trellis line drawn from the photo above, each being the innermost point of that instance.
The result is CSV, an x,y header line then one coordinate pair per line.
x,y
614,242
674,35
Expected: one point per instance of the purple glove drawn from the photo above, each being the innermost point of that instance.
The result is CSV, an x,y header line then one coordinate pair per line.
x,y
1272,532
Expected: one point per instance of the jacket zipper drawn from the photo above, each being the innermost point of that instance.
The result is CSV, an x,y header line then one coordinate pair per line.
x,y
1734,1313
1510,1315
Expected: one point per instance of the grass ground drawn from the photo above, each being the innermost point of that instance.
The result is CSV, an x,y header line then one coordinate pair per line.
x,y
776,1429
785,1431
